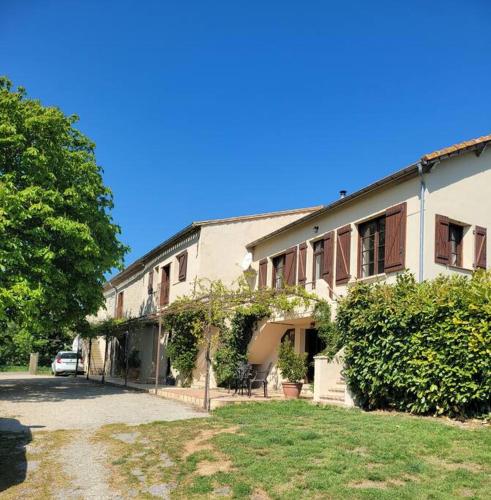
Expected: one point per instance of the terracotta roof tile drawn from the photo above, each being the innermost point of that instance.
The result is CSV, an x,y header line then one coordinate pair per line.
x,y
457,148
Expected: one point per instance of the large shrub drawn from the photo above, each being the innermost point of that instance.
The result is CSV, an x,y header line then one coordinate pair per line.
x,y
293,366
419,347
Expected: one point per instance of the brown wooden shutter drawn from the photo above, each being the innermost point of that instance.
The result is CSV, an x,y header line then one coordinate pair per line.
x,y
343,253
263,273
183,265
327,265
441,239
480,247
150,281
395,238
302,264
165,286
119,306
291,266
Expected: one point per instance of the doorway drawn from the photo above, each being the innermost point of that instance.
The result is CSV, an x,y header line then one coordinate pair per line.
x,y
313,346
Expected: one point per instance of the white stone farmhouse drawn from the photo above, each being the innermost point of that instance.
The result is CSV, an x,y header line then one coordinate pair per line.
x,y
430,218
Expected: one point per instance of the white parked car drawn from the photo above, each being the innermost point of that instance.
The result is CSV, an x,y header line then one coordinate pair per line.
x,y
66,362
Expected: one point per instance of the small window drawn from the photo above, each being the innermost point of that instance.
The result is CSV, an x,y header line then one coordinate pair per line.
x,y
455,236
119,305
68,355
318,260
278,272
182,260
150,282
289,336
372,247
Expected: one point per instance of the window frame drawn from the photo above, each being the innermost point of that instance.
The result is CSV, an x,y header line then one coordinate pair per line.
x,y
182,266
273,261
376,246
164,299
119,305
459,246
315,254
150,278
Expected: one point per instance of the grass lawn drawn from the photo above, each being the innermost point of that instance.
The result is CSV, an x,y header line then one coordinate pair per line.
x,y
17,461
42,370
297,450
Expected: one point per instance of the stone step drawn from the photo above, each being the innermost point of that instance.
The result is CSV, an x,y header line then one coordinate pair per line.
x,y
337,388
330,401
336,396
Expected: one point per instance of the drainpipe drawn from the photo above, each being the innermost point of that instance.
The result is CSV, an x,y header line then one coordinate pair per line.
x,y
422,189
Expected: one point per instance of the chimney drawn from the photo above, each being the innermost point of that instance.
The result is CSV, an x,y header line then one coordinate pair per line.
x,y
342,193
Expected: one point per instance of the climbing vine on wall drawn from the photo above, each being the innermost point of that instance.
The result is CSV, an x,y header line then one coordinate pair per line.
x,y
184,328
233,344
327,329
223,320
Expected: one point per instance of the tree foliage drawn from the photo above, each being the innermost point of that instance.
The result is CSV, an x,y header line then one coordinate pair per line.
x,y
420,347
57,237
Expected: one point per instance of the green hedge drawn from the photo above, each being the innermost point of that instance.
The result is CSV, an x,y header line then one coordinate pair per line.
x,y
419,347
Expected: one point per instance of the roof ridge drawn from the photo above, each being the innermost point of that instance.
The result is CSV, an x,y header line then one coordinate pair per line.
x,y
259,215
457,148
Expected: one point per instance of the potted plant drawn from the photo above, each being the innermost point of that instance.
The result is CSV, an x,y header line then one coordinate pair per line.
x,y
293,367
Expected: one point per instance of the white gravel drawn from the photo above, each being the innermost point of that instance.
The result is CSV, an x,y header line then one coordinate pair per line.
x,y
32,403
51,403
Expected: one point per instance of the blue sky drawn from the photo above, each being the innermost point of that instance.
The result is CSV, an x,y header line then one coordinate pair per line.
x,y
212,109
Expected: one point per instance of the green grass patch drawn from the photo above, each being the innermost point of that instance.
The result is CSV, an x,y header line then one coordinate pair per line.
x,y
297,450
29,466
42,370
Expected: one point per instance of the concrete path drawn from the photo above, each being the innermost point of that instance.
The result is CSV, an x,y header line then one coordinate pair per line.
x,y
50,403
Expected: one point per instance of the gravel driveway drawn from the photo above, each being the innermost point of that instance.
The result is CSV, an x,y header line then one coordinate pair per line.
x,y
51,403
44,403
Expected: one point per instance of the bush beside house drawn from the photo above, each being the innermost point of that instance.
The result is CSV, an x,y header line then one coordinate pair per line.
x,y
419,347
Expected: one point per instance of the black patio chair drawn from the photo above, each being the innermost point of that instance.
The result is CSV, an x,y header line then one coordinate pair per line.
x,y
260,377
242,378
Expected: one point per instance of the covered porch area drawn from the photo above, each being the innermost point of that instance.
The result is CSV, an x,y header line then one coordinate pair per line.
x,y
263,348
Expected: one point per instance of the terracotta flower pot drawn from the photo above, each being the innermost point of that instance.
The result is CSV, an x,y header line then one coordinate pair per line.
x,y
291,390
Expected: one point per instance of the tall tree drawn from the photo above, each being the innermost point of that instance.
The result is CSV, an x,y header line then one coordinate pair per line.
x,y
57,236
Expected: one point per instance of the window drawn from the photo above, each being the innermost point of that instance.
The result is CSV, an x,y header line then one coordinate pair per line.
x,y
165,285
455,235
318,260
289,336
182,260
119,305
448,241
263,273
278,271
372,247
150,281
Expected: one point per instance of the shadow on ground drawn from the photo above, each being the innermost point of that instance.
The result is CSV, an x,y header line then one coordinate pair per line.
x,y
13,460
53,389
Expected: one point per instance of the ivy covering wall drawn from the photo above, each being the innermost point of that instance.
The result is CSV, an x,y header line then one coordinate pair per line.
x,y
234,341
419,347
184,329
